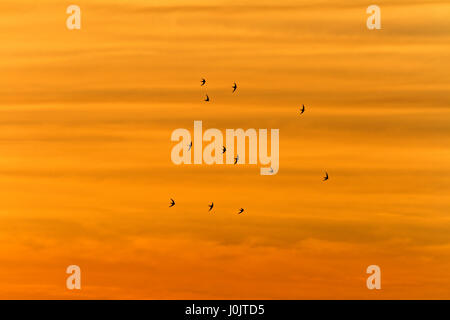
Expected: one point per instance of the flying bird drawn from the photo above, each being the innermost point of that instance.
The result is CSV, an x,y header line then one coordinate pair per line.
x,y
234,87
224,150
241,210
211,206
190,146
172,203
203,82
207,98
236,159
326,176
303,109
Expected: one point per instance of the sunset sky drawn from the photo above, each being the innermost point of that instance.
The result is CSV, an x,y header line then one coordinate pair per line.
x,y
86,176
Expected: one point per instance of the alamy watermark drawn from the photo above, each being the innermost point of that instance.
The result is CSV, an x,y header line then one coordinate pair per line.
x,y
216,150
74,280
374,21
74,20
374,280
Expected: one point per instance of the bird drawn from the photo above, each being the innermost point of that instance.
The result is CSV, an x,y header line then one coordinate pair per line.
x,y
241,210
234,87
190,146
271,170
303,109
203,82
172,203
236,159
224,150
207,98
211,206
326,176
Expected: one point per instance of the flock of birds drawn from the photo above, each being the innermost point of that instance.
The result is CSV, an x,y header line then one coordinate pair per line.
x,y
234,87
203,82
211,206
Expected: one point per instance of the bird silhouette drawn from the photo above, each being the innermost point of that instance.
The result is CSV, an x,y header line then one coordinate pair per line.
x,y
190,146
303,109
236,159
326,176
271,170
224,150
207,98
211,206
234,87
241,210
203,82
172,203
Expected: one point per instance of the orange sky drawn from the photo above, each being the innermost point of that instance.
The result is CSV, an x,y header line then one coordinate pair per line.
x,y
85,170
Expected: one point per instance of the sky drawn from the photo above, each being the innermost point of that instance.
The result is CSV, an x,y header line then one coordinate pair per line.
x,y
86,176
